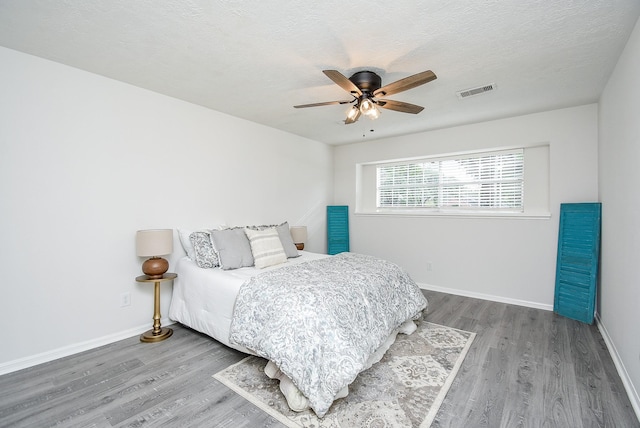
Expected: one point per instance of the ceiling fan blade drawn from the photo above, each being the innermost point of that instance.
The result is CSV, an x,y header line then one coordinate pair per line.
x,y
354,119
327,103
400,106
406,83
342,81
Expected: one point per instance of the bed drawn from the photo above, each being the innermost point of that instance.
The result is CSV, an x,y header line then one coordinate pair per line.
x,y
319,320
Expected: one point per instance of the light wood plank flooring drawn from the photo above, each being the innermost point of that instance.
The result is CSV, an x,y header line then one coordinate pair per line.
x,y
526,368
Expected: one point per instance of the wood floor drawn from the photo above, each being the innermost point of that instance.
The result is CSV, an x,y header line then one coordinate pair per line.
x,y
526,368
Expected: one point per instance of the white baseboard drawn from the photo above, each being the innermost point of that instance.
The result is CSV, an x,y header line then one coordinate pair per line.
x,y
490,297
23,363
65,351
617,361
30,361
622,371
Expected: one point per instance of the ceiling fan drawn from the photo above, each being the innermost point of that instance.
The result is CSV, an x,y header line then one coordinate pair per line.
x,y
366,87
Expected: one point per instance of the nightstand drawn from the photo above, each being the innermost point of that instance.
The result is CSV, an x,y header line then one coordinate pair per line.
x,y
157,333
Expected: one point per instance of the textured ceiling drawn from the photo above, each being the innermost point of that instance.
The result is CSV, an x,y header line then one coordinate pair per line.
x,y
256,59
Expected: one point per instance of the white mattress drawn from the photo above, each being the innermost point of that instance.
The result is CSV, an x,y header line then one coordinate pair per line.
x,y
203,299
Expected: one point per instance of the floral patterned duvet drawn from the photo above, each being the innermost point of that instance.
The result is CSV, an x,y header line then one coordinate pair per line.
x,y
320,321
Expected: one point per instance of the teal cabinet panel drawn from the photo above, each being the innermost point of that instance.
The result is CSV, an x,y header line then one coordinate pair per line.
x,y
578,261
337,229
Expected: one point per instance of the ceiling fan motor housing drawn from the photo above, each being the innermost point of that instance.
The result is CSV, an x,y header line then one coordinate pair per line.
x,y
367,81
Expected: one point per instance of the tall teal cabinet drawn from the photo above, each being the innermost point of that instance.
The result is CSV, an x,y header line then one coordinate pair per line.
x,y
577,261
337,229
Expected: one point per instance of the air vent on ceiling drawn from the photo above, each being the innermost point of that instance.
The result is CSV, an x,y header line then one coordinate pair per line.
x,y
476,91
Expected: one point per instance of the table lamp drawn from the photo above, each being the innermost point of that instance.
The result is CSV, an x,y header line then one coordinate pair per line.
x,y
154,243
299,235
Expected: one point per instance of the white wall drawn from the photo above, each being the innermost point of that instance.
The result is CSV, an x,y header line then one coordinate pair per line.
x,y
619,156
85,161
502,259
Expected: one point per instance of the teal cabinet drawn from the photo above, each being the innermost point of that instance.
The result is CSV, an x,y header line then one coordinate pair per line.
x,y
577,261
337,229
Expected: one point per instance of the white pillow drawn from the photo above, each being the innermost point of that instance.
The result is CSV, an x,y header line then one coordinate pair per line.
x,y
266,247
184,234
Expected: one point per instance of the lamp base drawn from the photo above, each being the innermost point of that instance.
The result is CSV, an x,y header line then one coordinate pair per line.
x,y
155,267
148,336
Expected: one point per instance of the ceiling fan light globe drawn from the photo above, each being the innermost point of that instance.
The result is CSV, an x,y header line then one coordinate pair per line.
x,y
352,113
366,105
374,113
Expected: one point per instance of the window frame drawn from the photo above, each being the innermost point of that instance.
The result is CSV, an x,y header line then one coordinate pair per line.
x,y
536,191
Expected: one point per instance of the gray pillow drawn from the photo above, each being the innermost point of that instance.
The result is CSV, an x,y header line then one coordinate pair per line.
x,y
287,241
233,248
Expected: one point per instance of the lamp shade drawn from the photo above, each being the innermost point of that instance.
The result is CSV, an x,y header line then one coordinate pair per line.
x,y
154,242
299,234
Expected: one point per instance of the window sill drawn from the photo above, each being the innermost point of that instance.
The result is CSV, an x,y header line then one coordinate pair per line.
x,y
455,214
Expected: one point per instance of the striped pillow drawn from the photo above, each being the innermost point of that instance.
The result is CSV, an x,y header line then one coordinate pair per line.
x,y
266,247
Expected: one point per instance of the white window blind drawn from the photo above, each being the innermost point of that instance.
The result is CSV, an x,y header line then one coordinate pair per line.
x,y
487,181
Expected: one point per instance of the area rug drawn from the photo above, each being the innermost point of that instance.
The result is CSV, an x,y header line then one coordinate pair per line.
x,y
405,389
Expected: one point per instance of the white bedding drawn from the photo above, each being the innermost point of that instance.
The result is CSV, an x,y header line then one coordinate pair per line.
x,y
203,299
322,321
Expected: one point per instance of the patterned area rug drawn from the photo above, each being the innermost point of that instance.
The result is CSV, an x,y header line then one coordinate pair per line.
x,y
405,389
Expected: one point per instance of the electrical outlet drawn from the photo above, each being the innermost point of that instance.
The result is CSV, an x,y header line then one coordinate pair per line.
x,y
125,299
429,267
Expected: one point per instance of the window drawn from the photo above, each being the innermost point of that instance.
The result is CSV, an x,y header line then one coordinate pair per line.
x,y
492,182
